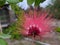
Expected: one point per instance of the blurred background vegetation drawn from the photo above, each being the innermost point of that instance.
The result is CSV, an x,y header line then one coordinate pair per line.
x,y
14,29
55,9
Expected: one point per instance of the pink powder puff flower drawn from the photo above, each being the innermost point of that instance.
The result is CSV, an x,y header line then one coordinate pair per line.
x,y
37,24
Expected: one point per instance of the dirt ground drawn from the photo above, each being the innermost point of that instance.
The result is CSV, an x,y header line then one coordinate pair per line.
x,y
53,38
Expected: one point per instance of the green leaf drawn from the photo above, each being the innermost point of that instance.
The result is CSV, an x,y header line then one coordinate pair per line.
x,y
3,42
15,7
2,2
14,1
37,2
20,0
5,36
30,2
58,29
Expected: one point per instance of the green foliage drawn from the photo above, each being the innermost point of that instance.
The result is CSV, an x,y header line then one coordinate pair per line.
x,y
30,2
14,1
15,7
12,30
4,36
2,2
37,2
9,29
3,42
55,9
58,29
16,35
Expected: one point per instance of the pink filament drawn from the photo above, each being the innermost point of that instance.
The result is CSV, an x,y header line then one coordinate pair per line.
x,y
39,23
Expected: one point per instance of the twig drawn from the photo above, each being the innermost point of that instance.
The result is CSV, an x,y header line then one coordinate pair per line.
x,y
36,41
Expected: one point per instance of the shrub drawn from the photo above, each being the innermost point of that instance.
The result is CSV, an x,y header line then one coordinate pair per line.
x,y
12,30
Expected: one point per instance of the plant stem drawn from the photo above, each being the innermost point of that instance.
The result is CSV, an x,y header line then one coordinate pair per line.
x,y
0,27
